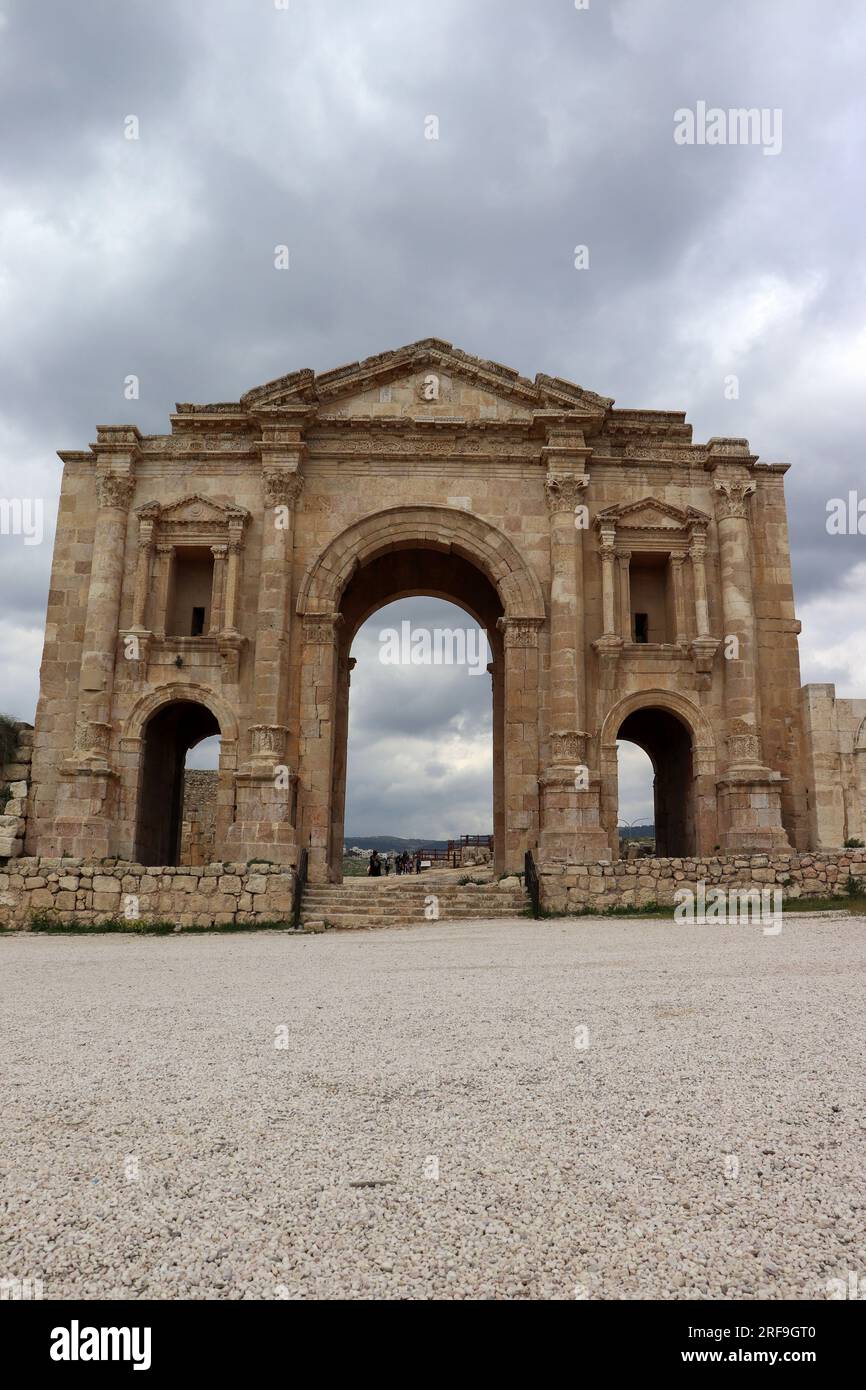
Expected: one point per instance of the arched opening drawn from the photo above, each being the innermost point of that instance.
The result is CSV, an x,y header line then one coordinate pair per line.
x,y
426,634
636,799
667,742
169,734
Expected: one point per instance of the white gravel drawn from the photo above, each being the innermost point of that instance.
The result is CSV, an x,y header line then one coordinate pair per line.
x,y
598,1172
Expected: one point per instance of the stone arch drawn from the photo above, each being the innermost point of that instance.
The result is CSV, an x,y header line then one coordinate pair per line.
x,y
508,593
699,790
144,709
436,528
136,753
860,740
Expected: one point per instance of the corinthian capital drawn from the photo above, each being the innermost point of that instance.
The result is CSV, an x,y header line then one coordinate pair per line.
x,y
282,486
564,491
114,490
732,498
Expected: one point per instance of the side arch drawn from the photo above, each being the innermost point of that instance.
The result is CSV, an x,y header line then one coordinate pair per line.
x,y
138,829
149,705
433,528
685,783
703,739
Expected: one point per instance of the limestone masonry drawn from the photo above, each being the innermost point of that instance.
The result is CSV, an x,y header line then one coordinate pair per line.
x,y
632,583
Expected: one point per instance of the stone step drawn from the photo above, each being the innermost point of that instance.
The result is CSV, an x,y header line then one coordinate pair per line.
x,y
352,920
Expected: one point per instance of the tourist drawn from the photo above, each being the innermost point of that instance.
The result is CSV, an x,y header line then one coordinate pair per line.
x,y
375,866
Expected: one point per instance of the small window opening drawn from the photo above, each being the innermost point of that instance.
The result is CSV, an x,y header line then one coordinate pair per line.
x,y
197,622
641,627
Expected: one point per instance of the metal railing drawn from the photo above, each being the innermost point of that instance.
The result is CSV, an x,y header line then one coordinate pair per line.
x,y
532,884
300,885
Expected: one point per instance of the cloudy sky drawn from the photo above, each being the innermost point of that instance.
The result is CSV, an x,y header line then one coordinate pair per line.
x,y
305,125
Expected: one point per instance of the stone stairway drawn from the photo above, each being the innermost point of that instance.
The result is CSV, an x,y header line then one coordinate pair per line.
x,y
401,901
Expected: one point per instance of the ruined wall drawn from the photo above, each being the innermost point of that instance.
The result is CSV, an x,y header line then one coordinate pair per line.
x,y
187,896
835,760
197,841
260,893
644,881
14,792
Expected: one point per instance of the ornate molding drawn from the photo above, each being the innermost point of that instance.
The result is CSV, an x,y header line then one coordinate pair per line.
x,y
568,746
268,740
321,628
519,632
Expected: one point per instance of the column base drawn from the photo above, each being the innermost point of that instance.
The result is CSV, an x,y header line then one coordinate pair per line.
x,y
571,828
86,814
264,827
750,811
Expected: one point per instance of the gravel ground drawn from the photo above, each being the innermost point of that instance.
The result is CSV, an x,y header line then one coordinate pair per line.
x,y
157,1143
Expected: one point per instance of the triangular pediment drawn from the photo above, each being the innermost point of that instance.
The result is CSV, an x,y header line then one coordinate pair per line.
x,y
428,379
194,508
652,514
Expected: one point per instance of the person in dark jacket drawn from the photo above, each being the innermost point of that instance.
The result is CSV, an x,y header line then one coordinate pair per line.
x,y
375,866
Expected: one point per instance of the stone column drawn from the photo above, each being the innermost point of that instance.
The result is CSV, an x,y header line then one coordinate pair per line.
x,y
608,601
318,713
704,646
520,651
266,786
570,824
219,553
101,624
624,561
698,554
230,601
142,576
165,558
677,561
86,808
750,793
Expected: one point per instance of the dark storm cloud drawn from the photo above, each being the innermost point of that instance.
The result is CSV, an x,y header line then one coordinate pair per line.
x,y
306,127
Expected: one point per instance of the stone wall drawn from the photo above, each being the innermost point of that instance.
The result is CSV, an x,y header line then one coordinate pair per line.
x,y
188,896
835,748
14,790
198,830
644,881
258,893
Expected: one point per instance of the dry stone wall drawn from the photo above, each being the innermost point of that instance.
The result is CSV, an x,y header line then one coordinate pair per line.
x,y
247,894
644,881
205,896
14,790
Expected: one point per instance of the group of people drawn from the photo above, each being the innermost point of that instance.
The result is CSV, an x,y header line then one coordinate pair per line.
x,y
403,863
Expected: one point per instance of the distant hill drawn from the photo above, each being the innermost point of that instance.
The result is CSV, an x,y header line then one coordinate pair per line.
x,y
636,832
389,842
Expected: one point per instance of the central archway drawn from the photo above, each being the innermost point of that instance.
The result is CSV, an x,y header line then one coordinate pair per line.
x,y
445,553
